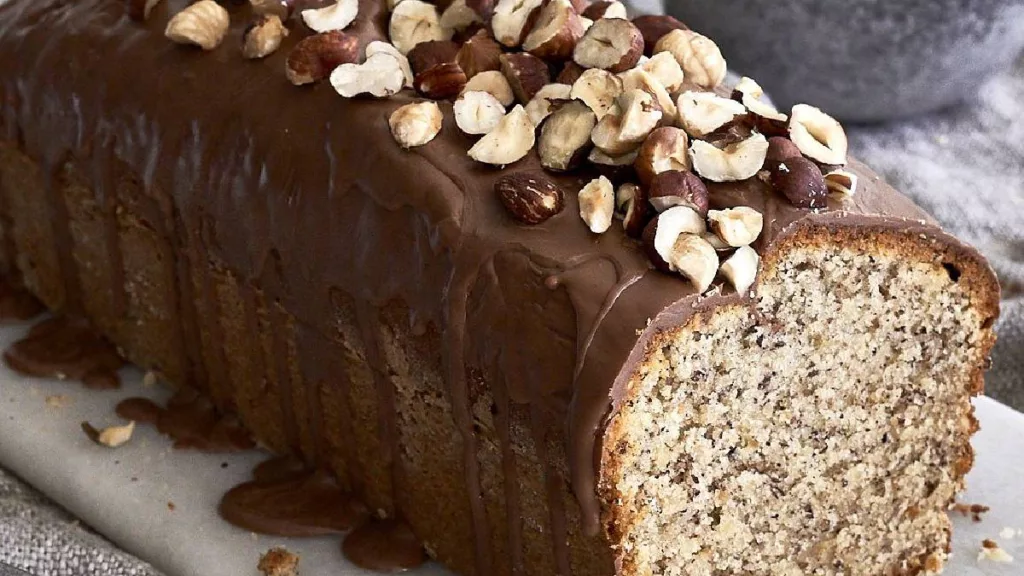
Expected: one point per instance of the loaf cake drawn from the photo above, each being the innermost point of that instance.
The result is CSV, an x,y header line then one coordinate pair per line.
x,y
381,234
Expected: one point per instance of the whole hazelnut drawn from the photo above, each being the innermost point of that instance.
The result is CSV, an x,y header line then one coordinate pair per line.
x,y
800,180
678,188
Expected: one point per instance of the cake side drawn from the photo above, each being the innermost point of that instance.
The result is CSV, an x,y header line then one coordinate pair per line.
x,y
821,427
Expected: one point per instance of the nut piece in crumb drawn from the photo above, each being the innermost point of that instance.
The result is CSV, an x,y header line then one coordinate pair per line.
x,y
612,44
565,136
556,31
315,57
379,47
699,57
510,141
819,136
478,112
701,113
415,124
632,208
779,150
661,233
673,188
841,182
139,10
263,37
203,24
111,437
526,73
546,101
597,204
494,83
278,562
415,21
735,162
512,19
664,68
479,54
665,148
530,198
380,75
800,181
458,16
336,16
738,226
740,269
598,89
605,9
654,27
991,552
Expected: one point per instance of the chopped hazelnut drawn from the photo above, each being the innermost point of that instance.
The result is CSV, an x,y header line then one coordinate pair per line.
x,y
598,89
494,83
512,19
612,44
739,226
735,162
415,21
546,101
565,136
316,56
673,188
701,113
699,57
740,269
203,24
263,37
508,142
597,204
526,73
415,124
478,112
556,31
335,16
819,136
665,148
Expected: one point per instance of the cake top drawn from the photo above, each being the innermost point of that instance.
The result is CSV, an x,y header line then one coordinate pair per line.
x,y
410,106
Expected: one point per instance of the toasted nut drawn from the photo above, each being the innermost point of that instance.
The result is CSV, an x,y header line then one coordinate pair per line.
x,y
278,562
640,79
378,47
281,8
315,57
731,133
819,136
139,10
747,87
546,100
115,436
598,157
841,182
738,226
598,89
737,161
263,37
510,140
605,9
597,204
800,180
612,44
526,73
664,68
203,24
699,57
701,113
654,26
556,31
631,207
673,188
494,83
415,21
570,73
530,198
565,136
479,54
441,81
779,150
458,16
740,269
665,148
478,112
640,115
673,243
512,20
716,242
587,23
431,53
336,16
764,116
380,75
415,124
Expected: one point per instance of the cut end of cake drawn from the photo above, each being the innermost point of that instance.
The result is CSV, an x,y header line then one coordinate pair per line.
x,y
822,428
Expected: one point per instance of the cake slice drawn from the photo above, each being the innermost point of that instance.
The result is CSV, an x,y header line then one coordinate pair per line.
x,y
748,375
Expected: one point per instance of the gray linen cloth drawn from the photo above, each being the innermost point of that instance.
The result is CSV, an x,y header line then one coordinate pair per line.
x,y
965,166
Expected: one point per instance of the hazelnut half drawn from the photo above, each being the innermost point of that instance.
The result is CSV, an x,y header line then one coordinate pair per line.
x,y
841,182
479,54
335,16
612,44
631,207
494,83
640,79
654,26
735,162
203,24
664,68
800,180
673,188
546,100
115,436
415,124
665,148
530,198
316,56
598,89
565,136
508,142
597,204
673,242
605,9
380,75
556,31
526,73
819,136
738,226
699,57
478,112
764,116
701,113
441,81
740,269
378,47
598,157
263,37
415,21
512,19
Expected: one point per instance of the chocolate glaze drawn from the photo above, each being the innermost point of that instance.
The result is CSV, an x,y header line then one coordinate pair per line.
x,y
301,193
17,303
191,420
384,546
66,348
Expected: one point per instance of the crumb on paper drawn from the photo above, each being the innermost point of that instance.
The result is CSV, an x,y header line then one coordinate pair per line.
x,y
171,506
279,562
112,436
973,510
991,552
58,400
1009,533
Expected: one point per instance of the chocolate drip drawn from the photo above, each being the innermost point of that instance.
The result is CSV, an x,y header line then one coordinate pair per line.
x,y
191,421
279,351
553,493
104,163
513,515
384,546
66,348
16,303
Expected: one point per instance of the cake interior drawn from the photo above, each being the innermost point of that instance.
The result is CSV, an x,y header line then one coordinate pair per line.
x,y
824,433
